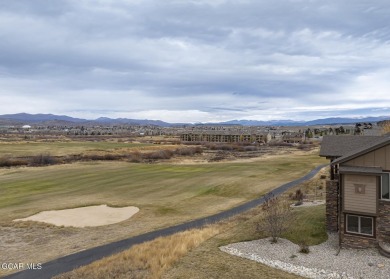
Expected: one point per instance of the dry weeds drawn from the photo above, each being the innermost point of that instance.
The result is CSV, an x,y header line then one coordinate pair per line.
x,y
147,260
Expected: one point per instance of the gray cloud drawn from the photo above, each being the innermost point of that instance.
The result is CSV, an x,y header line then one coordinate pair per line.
x,y
286,59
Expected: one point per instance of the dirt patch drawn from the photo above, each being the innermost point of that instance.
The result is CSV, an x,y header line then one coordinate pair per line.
x,y
91,216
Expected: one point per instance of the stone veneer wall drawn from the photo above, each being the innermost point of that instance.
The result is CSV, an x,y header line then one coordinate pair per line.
x,y
355,241
383,221
331,205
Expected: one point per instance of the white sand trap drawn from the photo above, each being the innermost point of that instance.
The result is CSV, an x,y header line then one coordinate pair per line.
x,y
90,216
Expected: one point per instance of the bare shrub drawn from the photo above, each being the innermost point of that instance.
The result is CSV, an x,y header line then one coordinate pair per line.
x,y
303,247
135,157
226,147
102,157
211,146
219,156
192,143
12,162
111,157
305,147
385,126
198,150
250,148
278,217
94,157
158,155
43,160
189,151
299,196
280,143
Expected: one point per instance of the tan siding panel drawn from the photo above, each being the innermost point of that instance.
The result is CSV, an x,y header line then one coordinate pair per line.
x,y
376,158
359,161
369,159
351,163
365,203
387,157
380,157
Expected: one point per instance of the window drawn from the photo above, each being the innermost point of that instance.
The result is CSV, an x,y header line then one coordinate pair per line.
x,y
360,224
385,187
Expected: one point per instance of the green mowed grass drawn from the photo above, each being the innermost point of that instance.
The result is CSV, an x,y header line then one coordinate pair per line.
x,y
308,227
61,148
164,188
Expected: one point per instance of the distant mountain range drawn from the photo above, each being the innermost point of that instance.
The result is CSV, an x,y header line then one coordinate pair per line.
x,y
25,118
51,119
324,121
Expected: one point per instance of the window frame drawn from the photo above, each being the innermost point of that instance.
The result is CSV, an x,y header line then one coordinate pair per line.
x,y
388,185
359,225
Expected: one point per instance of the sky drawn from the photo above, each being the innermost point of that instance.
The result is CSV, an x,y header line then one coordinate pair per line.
x,y
195,60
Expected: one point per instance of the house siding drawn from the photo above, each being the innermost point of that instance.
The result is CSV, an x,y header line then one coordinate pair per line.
x,y
356,202
379,158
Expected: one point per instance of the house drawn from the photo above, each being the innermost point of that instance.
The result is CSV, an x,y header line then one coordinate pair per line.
x,y
293,137
218,136
358,192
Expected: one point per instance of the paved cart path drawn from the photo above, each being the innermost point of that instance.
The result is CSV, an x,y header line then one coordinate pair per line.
x,y
72,261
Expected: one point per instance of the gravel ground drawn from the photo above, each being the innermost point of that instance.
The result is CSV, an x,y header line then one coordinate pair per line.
x,y
323,261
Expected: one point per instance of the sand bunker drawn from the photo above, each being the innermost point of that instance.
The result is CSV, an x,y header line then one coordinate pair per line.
x,y
91,216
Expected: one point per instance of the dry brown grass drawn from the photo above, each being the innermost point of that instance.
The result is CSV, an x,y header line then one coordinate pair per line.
x,y
385,128
147,260
314,189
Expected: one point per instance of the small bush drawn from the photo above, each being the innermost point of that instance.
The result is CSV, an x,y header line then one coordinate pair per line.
x,y
198,150
105,157
111,157
250,148
188,151
280,143
135,157
226,147
303,247
12,162
43,160
160,154
299,195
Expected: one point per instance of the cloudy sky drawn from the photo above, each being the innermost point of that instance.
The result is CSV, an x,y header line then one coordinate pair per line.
x,y
195,60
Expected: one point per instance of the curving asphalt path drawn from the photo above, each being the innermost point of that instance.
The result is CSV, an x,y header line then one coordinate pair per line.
x,y
85,257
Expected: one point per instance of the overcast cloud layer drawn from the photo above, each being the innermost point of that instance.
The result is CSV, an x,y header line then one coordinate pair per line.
x,y
195,60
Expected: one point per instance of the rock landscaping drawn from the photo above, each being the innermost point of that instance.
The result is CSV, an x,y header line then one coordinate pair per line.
x,y
323,261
